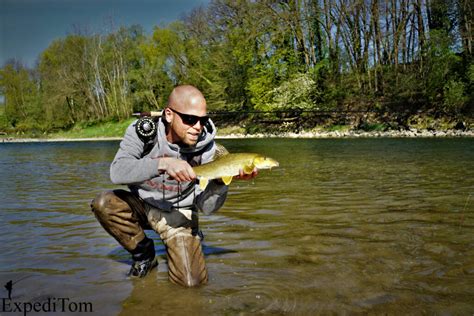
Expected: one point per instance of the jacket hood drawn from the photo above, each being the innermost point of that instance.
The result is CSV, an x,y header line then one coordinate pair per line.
x,y
207,136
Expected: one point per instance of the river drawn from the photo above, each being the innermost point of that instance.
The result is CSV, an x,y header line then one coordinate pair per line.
x,y
343,225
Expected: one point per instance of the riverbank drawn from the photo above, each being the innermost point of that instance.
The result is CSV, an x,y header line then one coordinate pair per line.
x,y
411,133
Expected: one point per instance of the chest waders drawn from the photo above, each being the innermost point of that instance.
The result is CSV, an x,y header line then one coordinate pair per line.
x,y
125,216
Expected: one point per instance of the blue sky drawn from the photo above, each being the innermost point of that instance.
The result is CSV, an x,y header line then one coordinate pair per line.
x,y
27,27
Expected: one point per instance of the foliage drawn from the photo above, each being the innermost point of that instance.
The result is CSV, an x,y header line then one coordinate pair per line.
x,y
400,55
470,87
454,96
4,124
296,93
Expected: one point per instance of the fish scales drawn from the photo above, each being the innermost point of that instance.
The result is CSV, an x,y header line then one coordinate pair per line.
x,y
229,165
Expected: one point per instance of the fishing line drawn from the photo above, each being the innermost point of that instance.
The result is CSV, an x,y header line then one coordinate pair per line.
x,y
163,183
163,186
179,195
179,186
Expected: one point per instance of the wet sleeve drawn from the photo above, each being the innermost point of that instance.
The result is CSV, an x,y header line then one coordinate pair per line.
x,y
128,166
213,197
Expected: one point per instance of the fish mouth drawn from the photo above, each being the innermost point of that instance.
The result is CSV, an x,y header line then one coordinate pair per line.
x,y
265,163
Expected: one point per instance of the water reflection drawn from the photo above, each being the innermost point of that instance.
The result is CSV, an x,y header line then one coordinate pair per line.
x,y
379,225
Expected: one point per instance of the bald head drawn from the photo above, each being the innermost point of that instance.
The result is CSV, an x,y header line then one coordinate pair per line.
x,y
185,115
187,99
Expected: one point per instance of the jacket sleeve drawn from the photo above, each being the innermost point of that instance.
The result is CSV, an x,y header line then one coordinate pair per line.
x,y
213,197
128,166
215,194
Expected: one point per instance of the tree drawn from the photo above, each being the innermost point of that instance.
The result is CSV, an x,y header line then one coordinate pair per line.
x,y
19,88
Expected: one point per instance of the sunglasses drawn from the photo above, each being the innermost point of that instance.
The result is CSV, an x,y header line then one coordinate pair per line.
x,y
191,120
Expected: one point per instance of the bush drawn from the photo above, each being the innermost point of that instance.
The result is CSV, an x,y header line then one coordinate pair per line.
x,y
296,93
454,98
4,124
373,127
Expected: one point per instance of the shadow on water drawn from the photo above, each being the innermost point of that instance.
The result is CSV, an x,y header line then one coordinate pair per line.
x,y
345,226
119,254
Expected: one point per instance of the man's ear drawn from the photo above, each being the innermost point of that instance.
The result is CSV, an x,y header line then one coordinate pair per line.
x,y
168,115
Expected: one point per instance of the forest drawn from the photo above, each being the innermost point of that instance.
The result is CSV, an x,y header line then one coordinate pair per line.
x,y
277,59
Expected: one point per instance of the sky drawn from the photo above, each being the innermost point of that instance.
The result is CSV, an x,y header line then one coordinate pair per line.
x,y
27,27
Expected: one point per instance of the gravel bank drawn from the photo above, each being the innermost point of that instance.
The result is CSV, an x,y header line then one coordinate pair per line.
x,y
412,133
361,134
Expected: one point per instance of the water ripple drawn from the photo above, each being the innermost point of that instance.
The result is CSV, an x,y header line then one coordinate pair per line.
x,y
346,226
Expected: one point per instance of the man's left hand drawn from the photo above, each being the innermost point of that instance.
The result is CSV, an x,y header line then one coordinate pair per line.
x,y
244,176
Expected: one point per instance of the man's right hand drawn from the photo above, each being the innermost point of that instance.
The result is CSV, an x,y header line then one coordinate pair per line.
x,y
177,169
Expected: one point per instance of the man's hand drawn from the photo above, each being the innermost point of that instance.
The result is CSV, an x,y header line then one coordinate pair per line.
x,y
244,176
177,169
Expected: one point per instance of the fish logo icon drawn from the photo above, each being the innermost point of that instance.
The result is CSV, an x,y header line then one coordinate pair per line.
x,y
9,287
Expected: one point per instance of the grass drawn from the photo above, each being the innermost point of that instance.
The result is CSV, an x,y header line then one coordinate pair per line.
x,y
107,129
117,129
100,130
231,130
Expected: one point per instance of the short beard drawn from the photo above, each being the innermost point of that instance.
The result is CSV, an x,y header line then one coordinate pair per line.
x,y
182,144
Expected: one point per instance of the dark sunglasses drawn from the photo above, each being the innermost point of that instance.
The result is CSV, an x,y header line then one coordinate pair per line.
x,y
191,120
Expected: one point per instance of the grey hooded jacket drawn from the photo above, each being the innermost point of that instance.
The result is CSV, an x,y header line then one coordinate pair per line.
x,y
139,170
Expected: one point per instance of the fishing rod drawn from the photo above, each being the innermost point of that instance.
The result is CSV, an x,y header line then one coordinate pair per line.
x,y
149,114
146,126
294,111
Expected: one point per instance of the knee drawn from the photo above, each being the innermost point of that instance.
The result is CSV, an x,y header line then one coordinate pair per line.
x,y
102,202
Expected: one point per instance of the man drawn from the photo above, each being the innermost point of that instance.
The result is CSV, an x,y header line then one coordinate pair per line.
x,y
163,192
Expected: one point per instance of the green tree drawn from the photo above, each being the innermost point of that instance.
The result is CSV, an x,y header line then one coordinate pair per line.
x,y
20,90
66,79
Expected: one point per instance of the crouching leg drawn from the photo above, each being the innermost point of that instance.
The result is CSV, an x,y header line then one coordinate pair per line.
x,y
123,216
186,264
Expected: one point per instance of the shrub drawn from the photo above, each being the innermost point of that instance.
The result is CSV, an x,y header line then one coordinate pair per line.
x,y
296,93
454,97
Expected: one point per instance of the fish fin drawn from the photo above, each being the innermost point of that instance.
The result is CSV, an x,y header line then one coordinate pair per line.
x,y
248,169
227,179
220,151
203,183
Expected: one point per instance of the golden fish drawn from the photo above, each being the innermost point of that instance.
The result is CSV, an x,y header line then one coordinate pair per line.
x,y
227,166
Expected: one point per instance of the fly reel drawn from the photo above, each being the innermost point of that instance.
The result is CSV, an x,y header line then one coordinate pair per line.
x,y
146,128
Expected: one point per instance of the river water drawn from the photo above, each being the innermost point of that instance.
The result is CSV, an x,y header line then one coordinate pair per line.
x,y
343,225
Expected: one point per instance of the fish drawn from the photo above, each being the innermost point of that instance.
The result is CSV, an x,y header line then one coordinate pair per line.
x,y
228,165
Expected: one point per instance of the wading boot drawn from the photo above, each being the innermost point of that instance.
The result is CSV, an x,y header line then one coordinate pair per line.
x,y
141,268
144,259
